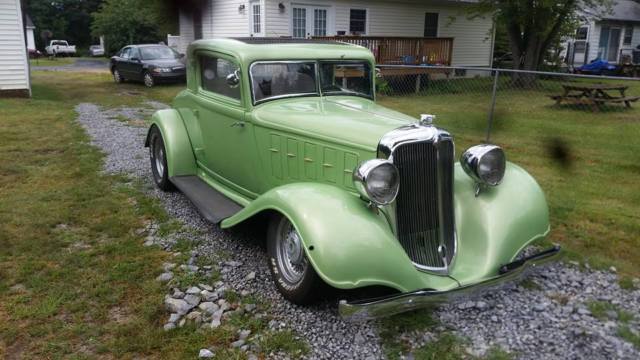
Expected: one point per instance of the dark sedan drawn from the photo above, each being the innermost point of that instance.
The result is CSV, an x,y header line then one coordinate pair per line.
x,y
150,64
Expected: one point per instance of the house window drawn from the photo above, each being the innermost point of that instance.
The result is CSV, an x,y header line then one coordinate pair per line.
x,y
319,22
299,22
213,76
582,32
358,21
256,18
431,25
628,35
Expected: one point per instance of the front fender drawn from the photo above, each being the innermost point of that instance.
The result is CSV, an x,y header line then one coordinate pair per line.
x,y
348,244
351,246
495,226
179,153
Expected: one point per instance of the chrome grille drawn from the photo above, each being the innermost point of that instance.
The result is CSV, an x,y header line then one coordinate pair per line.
x,y
424,206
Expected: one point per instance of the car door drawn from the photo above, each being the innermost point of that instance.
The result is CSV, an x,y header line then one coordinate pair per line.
x,y
229,147
122,62
135,64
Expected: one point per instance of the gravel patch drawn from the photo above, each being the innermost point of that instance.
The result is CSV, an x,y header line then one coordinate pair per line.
x,y
547,318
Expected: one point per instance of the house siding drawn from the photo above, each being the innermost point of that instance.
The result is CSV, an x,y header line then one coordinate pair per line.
x,y
14,65
473,38
186,30
594,38
227,20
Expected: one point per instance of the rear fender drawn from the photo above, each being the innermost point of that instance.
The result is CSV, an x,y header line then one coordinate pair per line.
x,y
180,158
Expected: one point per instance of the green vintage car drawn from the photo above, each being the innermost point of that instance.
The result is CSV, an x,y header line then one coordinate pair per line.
x,y
358,195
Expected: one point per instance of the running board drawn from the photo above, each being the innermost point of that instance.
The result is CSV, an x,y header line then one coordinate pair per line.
x,y
212,204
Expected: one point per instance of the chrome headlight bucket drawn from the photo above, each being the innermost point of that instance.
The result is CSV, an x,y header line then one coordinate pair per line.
x,y
485,164
377,181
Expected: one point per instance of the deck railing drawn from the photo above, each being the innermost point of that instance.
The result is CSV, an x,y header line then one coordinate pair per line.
x,y
403,50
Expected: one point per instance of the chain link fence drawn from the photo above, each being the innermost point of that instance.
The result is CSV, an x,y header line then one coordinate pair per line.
x,y
500,93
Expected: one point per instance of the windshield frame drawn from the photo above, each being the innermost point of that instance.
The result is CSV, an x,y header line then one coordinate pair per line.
x,y
318,84
175,53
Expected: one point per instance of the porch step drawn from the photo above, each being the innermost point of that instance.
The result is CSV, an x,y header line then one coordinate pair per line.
x,y
212,204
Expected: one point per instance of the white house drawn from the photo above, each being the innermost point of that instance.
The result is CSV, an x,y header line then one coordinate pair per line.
x,y
607,35
472,38
14,63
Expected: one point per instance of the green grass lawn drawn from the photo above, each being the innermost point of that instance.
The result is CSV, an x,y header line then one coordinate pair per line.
x,y
75,280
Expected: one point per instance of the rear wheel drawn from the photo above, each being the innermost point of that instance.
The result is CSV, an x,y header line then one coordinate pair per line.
x,y
157,154
149,81
290,268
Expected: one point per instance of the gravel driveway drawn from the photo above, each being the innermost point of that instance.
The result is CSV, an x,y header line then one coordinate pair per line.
x,y
549,318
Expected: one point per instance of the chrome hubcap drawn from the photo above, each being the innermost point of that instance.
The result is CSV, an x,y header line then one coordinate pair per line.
x,y
291,258
148,80
158,154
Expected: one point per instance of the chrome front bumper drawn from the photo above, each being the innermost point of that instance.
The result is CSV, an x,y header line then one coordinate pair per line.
x,y
363,310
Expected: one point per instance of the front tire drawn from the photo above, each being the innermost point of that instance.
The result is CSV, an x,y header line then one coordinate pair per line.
x,y
117,77
149,81
290,268
157,154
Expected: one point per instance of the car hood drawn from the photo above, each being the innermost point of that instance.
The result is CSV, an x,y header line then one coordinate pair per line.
x,y
164,63
348,120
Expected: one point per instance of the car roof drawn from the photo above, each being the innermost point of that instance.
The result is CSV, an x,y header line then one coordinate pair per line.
x,y
248,50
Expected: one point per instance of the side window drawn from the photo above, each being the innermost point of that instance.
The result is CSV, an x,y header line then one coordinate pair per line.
x,y
135,53
125,53
213,76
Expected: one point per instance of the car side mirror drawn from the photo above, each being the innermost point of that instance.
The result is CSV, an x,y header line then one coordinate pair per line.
x,y
233,79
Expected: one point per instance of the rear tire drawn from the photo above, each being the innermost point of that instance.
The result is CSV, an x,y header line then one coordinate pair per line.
x,y
157,154
291,270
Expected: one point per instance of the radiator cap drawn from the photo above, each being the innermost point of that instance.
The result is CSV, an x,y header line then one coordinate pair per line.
x,y
427,119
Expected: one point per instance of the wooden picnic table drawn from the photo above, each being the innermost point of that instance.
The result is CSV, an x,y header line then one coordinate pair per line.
x,y
594,95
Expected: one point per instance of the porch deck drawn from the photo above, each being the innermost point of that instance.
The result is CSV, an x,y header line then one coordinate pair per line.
x,y
389,50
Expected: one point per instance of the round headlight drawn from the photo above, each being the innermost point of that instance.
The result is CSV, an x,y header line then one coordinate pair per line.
x,y
485,164
377,181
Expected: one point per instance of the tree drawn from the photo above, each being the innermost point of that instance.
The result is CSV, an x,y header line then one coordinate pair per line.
x,y
124,22
533,26
64,19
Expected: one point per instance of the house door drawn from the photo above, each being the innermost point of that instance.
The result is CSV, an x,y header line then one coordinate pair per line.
x,y
310,21
609,43
257,23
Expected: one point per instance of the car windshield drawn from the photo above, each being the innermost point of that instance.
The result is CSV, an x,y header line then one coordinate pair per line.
x,y
158,52
340,78
272,80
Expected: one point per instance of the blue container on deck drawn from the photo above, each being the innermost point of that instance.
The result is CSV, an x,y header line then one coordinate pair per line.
x,y
409,60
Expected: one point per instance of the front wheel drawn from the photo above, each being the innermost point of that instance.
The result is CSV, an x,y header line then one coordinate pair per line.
x,y
149,81
294,276
157,154
117,77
